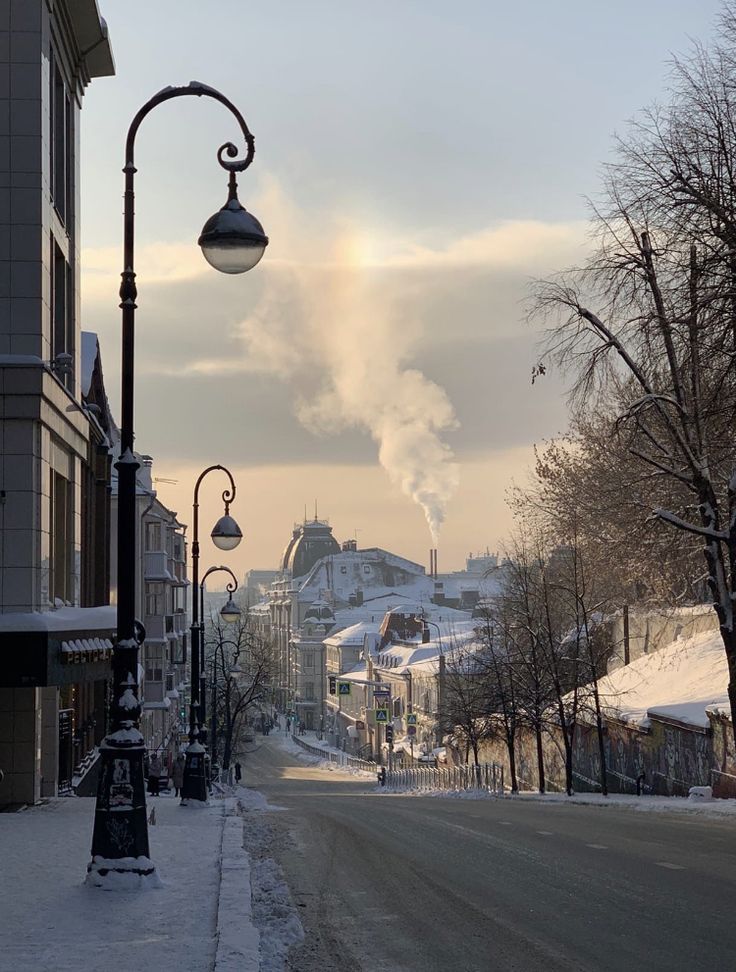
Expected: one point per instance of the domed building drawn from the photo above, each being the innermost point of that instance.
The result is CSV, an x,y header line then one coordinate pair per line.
x,y
309,542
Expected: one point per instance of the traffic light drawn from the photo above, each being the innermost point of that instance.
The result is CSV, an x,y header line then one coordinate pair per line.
x,y
333,684
389,733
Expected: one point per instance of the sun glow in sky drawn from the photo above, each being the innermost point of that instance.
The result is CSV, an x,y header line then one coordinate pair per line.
x,y
417,163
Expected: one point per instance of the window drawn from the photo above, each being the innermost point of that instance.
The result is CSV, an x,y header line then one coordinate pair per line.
x,y
309,691
62,311
60,146
343,569
309,659
61,538
153,535
366,569
154,599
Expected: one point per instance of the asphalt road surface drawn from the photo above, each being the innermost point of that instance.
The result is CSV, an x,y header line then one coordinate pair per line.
x,y
403,883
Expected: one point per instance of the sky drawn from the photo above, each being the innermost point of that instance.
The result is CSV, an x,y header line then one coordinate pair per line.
x,y
417,164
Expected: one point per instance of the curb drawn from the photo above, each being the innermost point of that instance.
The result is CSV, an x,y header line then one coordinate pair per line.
x,y
238,939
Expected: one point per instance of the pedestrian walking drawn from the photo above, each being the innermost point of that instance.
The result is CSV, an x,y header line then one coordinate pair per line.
x,y
154,774
177,774
238,772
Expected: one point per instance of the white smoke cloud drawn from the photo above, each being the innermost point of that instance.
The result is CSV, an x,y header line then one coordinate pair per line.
x,y
334,331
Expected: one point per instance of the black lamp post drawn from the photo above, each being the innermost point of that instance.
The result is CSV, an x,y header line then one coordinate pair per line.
x,y
230,613
226,535
232,241
232,670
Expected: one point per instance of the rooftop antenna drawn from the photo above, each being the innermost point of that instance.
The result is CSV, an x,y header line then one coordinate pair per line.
x,y
315,511
305,514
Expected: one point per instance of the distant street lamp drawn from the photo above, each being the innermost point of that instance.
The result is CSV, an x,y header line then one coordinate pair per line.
x,y
426,622
232,241
226,535
228,672
230,614
441,675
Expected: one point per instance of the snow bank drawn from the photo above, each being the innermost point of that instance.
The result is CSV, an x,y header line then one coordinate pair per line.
x,y
678,683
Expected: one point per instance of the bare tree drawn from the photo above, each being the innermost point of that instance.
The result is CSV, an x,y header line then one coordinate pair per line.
x,y
464,707
500,683
241,664
649,323
523,614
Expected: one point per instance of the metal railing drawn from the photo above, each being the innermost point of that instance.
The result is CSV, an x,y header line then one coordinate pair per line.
x,y
487,777
341,759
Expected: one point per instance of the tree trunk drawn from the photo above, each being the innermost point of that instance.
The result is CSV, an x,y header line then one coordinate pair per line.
x,y
540,760
512,762
568,766
601,749
475,752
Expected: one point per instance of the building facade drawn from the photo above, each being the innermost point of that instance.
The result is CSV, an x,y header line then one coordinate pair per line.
x,y
53,467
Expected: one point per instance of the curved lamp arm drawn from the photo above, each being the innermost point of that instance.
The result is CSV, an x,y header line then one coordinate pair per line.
x,y
231,587
228,495
128,292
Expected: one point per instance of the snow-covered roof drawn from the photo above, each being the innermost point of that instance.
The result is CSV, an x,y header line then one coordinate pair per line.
x,y
678,683
62,619
352,635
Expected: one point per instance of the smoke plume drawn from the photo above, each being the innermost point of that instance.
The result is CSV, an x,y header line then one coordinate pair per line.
x,y
343,336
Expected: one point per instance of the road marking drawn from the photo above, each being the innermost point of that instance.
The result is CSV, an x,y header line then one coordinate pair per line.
x,y
545,833
505,823
598,846
671,867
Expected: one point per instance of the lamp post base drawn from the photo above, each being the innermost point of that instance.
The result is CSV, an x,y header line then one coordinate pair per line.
x,y
194,785
120,855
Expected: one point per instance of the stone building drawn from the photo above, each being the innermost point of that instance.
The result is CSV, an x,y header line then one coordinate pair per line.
x,y
55,632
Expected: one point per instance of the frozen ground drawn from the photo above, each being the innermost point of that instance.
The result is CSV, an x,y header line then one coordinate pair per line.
x,y
50,920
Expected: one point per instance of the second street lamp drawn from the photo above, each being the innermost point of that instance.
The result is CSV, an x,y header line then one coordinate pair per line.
x,y
226,535
120,850
230,613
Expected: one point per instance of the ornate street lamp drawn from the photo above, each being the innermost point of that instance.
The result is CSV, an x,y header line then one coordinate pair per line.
x,y
226,535
232,241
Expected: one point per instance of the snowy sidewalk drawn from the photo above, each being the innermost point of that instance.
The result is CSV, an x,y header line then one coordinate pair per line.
x,y
48,919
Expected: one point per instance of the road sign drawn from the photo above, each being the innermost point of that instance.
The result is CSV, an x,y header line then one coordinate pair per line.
x,y
381,715
381,694
411,730
411,719
343,688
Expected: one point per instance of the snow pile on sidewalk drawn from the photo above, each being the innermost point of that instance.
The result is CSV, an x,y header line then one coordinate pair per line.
x,y
678,682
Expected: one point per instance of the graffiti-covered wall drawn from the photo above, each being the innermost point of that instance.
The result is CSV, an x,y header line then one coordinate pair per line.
x,y
671,758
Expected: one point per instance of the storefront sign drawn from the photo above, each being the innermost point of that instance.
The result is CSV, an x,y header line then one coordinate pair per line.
x,y
83,656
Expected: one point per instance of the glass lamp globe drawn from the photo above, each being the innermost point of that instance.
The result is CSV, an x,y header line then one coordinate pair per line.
x,y
230,612
226,534
233,240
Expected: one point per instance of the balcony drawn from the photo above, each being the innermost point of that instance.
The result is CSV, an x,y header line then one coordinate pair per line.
x,y
155,626
156,566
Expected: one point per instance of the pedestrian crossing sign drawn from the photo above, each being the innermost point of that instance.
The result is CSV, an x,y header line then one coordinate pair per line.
x,y
343,688
411,719
381,715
